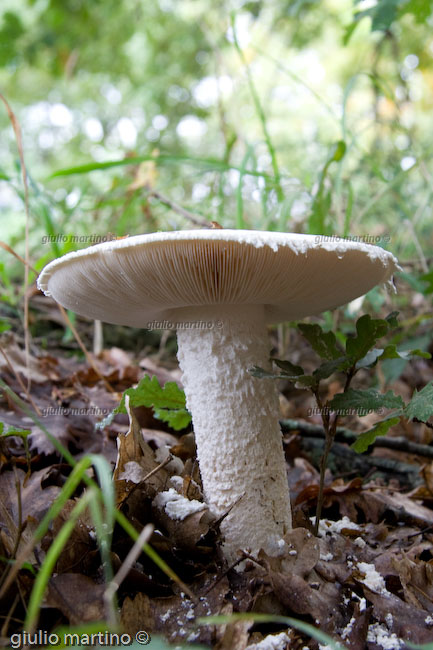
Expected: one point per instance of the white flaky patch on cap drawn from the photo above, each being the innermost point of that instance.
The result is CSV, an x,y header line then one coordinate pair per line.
x,y
134,280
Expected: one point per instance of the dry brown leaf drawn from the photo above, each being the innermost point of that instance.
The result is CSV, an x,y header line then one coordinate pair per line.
x,y
357,628
338,487
299,597
184,448
235,636
417,581
427,472
296,584
79,554
184,533
303,552
117,358
35,501
77,597
408,622
134,452
137,614
162,374
232,636
34,371
175,616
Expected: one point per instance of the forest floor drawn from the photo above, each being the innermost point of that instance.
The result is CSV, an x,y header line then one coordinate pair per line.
x,y
366,580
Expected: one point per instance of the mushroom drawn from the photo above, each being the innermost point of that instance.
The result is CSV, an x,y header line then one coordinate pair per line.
x,y
220,289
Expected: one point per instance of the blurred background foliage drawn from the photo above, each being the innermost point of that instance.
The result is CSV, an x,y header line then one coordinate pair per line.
x,y
291,115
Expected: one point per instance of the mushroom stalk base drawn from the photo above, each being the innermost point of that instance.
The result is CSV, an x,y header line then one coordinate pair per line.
x,y
235,419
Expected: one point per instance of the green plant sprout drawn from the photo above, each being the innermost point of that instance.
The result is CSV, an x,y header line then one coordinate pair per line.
x,y
360,352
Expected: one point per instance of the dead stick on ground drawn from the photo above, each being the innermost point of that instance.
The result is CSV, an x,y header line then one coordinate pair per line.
x,y
346,435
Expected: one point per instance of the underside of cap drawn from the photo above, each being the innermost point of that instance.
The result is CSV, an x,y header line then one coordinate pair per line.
x,y
149,277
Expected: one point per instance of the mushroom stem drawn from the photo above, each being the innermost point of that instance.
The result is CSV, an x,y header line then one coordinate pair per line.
x,y
235,419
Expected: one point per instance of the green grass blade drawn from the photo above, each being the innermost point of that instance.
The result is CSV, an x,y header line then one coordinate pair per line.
x,y
306,628
81,475
49,563
208,164
104,518
260,113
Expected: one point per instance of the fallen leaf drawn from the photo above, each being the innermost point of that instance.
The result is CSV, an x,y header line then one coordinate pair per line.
x,y
417,581
77,597
408,622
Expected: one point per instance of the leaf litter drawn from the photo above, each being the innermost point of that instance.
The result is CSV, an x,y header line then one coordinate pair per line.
x,y
366,580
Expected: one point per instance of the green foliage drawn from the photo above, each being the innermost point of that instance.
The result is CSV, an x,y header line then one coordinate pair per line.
x,y
368,330
360,353
421,404
324,343
318,222
289,368
97,497
391,352
367,438
276,143
385,12
328,368
13,431
363,402
428,278
11,29
168,401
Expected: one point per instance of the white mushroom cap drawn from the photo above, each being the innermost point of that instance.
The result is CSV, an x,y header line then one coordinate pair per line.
x,y
149,277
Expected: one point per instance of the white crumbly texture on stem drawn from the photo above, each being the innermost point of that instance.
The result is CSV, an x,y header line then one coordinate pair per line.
x,y
235,420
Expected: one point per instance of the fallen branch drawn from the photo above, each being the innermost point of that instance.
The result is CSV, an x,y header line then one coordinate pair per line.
x,y
345,462
346,435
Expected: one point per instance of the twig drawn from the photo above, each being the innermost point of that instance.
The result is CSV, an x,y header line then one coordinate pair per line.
x,y
8,618
120,576
20,381
10,250
20,525
420,532
18,136
70,325
341,457
179,209
417,244
346,435
83,348
223,575
151,473
330,429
